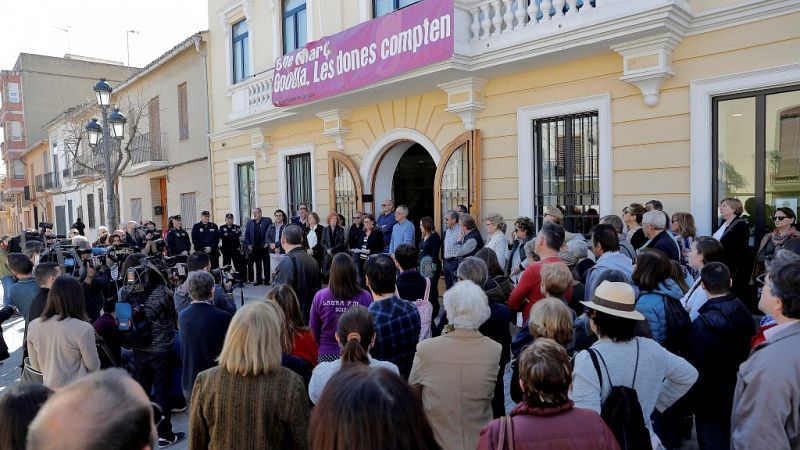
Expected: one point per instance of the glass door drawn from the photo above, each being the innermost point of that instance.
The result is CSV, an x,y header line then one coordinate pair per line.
x,y
247,190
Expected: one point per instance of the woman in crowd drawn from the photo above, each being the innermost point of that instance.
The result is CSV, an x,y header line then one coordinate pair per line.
x,y
61,343
704,250
517,259
496,233
114,239
458,407
355,334
546,417
685,233
334,241
249,400
412,286
342,293
653,277
734,235
784,233
659,377
18,407
367,408
296,339
498,286
632,217
371,243
314,238
430,262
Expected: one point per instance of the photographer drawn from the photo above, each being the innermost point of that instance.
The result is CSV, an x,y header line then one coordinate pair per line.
x,y
131,236
148,242
205,236
93,275
178,242
199,262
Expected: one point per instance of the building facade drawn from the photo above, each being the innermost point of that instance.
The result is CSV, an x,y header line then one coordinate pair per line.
x,y
588,105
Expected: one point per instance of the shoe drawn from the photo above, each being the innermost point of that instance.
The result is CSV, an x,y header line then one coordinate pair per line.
x,y
177,437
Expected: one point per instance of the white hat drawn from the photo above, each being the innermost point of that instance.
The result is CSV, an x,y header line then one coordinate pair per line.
x,y
615,298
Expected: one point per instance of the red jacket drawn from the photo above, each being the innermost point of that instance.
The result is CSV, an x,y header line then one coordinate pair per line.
x,y
530,288
559,428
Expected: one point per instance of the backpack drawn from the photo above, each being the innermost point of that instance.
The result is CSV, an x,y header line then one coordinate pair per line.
x,y
621,411
678,324
140,333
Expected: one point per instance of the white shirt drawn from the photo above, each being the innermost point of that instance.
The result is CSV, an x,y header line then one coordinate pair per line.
x,y
499,243
325,370
312,238
720,231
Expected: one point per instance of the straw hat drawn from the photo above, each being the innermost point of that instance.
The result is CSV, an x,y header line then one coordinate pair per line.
x,y
615,298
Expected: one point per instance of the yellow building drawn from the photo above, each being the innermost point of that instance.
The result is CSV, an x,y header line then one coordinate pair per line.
x,y
37,202
586,105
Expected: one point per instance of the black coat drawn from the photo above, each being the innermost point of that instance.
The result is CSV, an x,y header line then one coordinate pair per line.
x,y
432,246
352,236
300,271
719,341
736,241
334,241
664,242
178,241
375,242
205,235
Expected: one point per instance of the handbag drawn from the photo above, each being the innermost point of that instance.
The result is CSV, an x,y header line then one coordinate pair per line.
x,y
29,374
506,433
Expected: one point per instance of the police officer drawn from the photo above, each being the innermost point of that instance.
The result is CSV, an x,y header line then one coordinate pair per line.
x,y
205,236
230,236
178,242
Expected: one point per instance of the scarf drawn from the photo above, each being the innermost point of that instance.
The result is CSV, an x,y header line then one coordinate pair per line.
x,y
779,240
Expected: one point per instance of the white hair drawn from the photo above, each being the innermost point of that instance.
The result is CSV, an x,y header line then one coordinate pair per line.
x,y
579,248
81,242
466,305
655,219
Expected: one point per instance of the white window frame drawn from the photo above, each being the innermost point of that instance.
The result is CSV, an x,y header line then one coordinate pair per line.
x,y
701,94
18,137
233,185
283,193
229,15
525,117
16,92
277,25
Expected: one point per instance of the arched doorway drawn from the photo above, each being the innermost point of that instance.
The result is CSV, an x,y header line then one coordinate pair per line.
x,y
412,183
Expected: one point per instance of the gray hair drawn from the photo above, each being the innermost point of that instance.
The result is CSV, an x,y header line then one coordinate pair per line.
x,y
614,221
468,221
466,305
453,214
473,269
81,242
578,247
655,219
497,220
200,285
404,209
530,247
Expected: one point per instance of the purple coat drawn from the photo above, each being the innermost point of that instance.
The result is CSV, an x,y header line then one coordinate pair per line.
x,y
325,312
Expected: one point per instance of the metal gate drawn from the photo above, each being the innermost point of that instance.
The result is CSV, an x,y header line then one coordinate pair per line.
x,y
346,197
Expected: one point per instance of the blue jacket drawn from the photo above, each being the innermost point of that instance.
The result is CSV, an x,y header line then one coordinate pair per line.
x,y
252,228
608,261
651,305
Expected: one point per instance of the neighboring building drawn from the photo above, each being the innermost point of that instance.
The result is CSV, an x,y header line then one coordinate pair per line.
x,y
35,90
589,106
169,168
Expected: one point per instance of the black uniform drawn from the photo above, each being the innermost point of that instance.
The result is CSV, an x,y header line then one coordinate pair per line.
x,y
207,235
230,244
178,241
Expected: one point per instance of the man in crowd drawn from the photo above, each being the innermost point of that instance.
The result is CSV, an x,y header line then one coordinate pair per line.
x,y
397,322
654,224
605,246
298,269
625,246
654,205
131,234
230,244
45,273
302,217
178,241
205,237
94,278
719,341
6,277
403,230
25,289
106,409
386,221
462,209
470,240
355,230
546,245
452,236
766,402
79,225
255,238
202,327
199,262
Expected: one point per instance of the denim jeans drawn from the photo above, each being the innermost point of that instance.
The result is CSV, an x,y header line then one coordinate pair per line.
x,y
154,373
7,281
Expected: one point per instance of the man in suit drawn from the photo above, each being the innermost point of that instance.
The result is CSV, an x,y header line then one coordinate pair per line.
x,y
255,238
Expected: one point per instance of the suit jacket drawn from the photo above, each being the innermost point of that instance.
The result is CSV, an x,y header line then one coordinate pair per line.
x,y
300,271
271,236
252,228
456,375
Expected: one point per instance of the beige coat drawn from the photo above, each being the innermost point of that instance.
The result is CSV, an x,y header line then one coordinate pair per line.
x,y
456,374
63,350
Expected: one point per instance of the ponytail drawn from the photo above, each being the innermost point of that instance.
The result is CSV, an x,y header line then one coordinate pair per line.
x,y
356,329
354,351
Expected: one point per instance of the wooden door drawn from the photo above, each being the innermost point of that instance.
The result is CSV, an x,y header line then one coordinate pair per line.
x,y
344,185
458,177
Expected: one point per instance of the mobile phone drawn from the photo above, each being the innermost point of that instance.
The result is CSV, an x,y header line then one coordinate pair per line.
x,y
124,314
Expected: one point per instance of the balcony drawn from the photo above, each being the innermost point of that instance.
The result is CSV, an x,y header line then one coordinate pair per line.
x,y
39,182
499,37
148,152
52,181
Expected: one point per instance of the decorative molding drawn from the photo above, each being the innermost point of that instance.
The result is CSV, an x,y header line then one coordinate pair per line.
x,y
740,14
647,63
371,161
261,142
336,124
225,134
701,93
465,99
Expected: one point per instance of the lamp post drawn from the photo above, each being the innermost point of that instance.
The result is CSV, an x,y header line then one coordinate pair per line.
x,y
113,127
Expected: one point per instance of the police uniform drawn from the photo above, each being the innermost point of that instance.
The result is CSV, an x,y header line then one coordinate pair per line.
x,y
207,235
230,244
178,241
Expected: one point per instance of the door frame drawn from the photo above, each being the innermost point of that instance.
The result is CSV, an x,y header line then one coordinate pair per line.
x,y
344,159
473,145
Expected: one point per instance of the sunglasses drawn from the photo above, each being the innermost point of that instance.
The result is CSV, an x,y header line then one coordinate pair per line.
x,y
356,217
777,218
158,413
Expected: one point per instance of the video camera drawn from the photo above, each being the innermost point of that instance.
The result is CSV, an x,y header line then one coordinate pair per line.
x,y
153,271
228,278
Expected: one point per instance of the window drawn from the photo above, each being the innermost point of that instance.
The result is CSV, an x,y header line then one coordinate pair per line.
x,y
241,51
183,112
294,25
383,7
154,135
343,185
246,176
188,207
16,131
756,154
136,209
13,92
90,210
102,205
298,177
566,155
19,169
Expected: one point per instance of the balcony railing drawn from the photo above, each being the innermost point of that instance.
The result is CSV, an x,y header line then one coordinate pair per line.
x,y
490,18
39,183
52,180
147,148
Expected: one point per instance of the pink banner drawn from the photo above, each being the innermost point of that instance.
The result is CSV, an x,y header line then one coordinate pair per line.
x,y
413,37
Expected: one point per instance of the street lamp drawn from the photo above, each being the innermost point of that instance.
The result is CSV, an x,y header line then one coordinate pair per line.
x,y
113,127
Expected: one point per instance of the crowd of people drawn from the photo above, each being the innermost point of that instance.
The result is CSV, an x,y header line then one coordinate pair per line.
x,y
627,337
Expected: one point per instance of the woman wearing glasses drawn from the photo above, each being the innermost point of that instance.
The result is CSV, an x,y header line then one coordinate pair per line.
x,y
785,232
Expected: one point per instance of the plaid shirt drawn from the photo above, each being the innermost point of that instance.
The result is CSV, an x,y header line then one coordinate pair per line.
x,y
397,328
